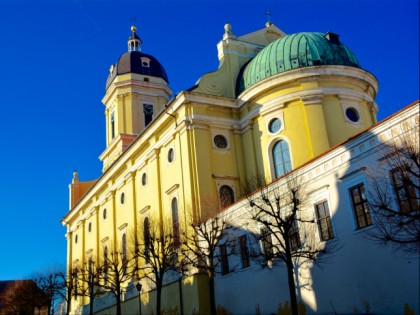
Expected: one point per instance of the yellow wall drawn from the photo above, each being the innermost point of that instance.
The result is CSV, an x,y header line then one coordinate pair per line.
x,y
312,125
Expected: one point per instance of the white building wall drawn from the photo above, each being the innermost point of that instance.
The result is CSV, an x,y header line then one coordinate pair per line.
x,y
361,272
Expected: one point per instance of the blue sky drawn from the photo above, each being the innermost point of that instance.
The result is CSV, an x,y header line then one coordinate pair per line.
x,y
55,56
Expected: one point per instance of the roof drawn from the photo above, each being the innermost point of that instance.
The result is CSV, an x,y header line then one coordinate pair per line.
x,y
295,51
137,62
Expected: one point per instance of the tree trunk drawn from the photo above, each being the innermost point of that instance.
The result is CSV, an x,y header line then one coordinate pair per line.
x,y
292,286
68,300
158,296
118,296
68,306
212,294
91,297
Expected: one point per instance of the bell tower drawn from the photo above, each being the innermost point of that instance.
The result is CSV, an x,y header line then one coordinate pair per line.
x,y
136,92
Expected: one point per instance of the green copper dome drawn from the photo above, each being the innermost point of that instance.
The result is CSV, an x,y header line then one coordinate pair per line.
x,y
295,51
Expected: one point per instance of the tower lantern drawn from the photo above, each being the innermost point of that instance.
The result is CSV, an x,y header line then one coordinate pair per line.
x,y
134,41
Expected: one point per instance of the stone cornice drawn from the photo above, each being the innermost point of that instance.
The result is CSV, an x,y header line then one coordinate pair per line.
x,y
138,87
353,75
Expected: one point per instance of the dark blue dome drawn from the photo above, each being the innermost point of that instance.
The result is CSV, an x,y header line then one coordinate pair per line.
x,y
137,62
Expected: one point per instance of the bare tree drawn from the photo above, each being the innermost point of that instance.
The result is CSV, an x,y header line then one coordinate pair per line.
x,y
53,284
201,250
158,253
88,284
116,268
288,234
394,195
67,293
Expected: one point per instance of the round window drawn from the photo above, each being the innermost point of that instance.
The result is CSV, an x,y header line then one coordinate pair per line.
x,y
144,179
352,114
122,198
274,125
104,214
220,142
171,155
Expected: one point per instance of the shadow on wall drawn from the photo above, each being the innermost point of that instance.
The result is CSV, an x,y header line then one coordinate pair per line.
x,y
177,298
346,193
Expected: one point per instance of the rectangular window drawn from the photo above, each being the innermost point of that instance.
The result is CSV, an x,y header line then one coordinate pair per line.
x,y
294,236
148,114
244,251
224,262
360,206
112,126
407,194
323,218
267,243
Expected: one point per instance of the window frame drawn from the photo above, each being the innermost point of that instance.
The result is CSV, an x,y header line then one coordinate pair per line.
x,y
143,179
170,156
280,155
146,236
294,236
267,246
271,123
148,111
362,202
326,218
407,188
176,232
216,141
224,202
105,264
244,251
112,124
223,259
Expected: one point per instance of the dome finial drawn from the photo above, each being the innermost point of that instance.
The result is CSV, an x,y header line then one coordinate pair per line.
x,y
268,23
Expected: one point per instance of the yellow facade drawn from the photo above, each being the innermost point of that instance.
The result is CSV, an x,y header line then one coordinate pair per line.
x,y
140,180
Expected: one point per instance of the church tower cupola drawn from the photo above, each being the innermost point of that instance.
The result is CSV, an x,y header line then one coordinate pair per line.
x,y
136,92
134,41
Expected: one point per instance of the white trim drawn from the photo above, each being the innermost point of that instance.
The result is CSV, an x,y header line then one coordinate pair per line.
x,y
221,132
269,118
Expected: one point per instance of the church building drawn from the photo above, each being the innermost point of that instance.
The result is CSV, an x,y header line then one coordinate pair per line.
x,y
277,105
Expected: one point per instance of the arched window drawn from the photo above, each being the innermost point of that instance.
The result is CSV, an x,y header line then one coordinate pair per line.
x,y
124,252
90,269
146,236
124,247
105,264
175,223
226,196
281,158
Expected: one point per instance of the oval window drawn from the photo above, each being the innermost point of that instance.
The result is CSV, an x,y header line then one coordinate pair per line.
x,y
144,179
352,114
220,142
274,125
89,227
122,198
104,214
75,239
171,155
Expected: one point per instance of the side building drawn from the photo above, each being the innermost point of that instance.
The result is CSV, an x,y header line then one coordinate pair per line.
x,y
277,103
339,209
